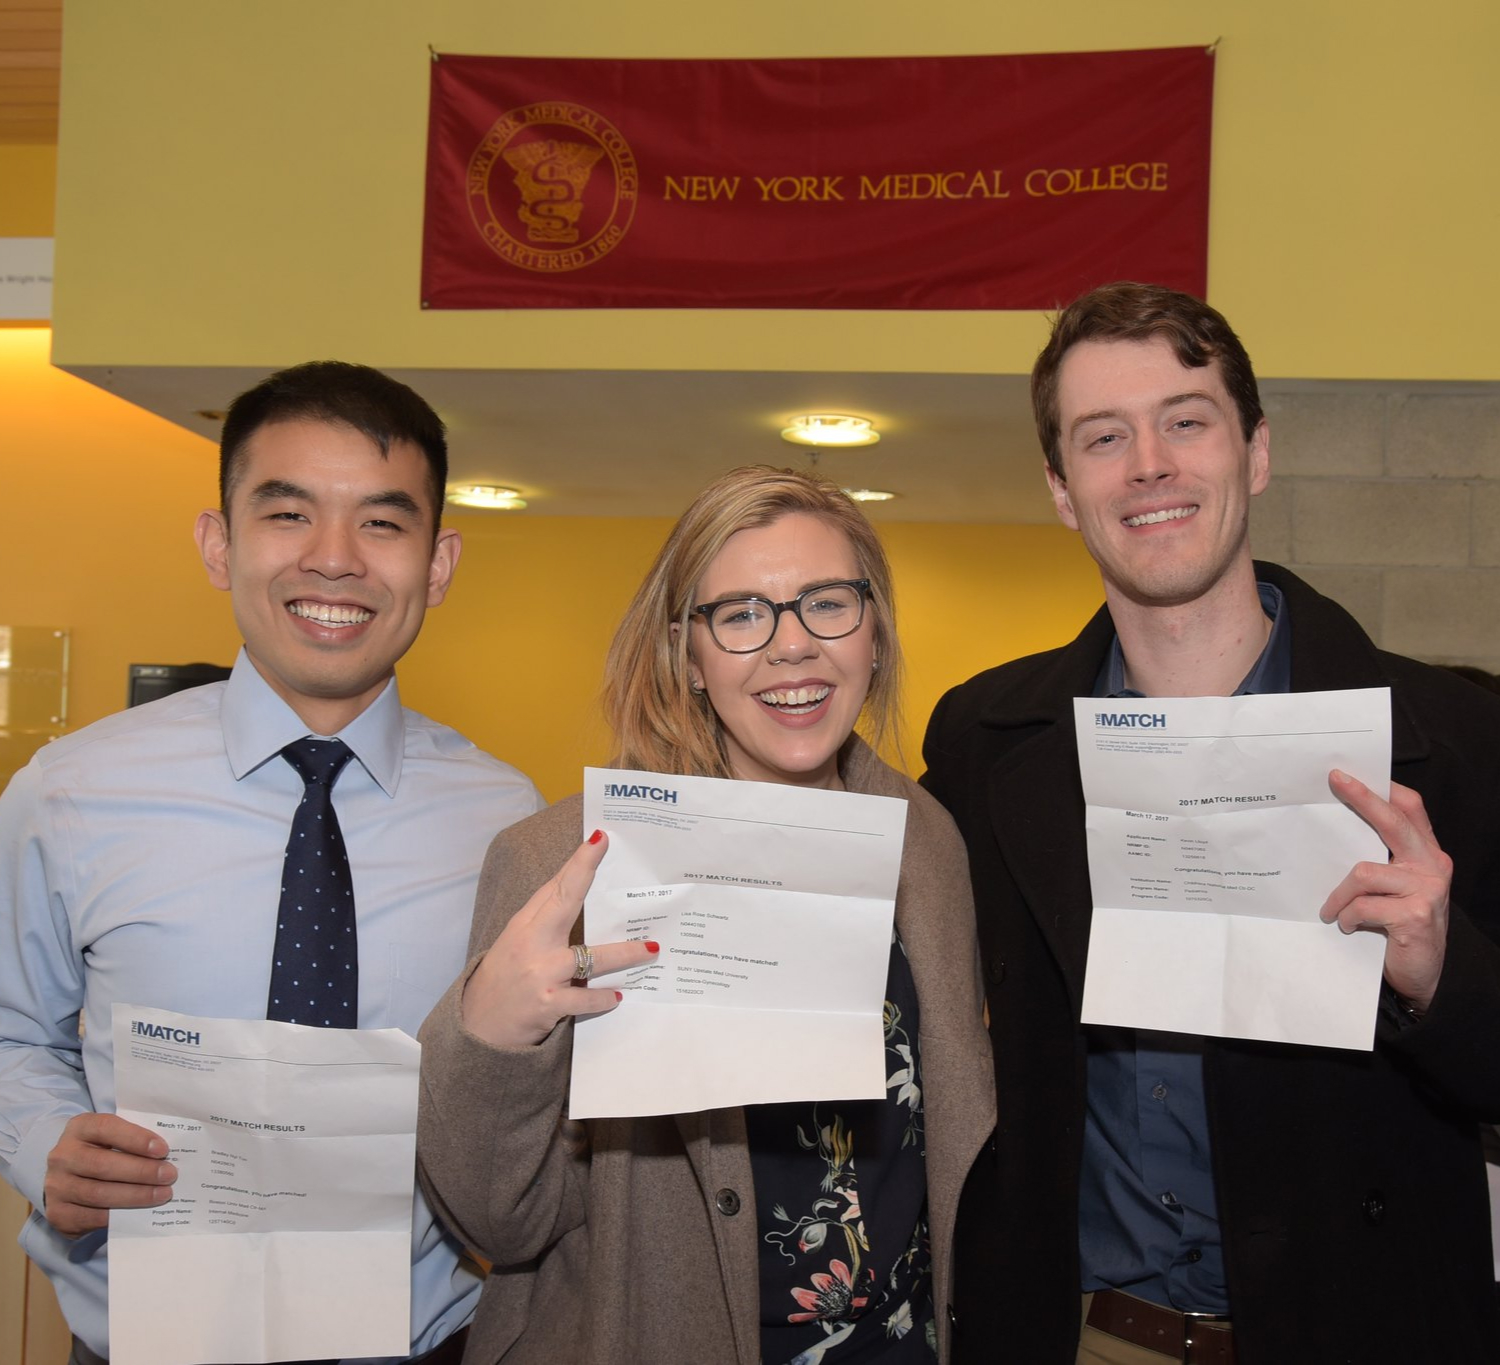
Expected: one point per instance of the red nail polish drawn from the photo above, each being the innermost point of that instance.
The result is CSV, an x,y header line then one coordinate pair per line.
x,y
618,997
652,946
597,835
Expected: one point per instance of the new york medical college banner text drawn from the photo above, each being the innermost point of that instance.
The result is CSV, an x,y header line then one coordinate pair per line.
x,y
921,182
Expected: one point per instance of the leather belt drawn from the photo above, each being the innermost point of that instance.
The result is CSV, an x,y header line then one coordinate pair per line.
x,y
448,1352
1193,1338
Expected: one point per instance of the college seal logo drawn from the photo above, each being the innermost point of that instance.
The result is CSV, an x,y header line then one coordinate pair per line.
x,y
553,186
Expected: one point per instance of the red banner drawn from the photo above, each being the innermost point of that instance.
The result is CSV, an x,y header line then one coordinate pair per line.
x,y
905,182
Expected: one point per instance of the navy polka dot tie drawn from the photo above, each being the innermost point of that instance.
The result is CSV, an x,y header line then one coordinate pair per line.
x,y
315,967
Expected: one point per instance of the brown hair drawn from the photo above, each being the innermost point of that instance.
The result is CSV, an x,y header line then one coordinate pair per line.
x,y
1126,311
660,724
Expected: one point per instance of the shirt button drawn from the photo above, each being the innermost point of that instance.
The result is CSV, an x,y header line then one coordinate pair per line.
x,y
1169,1199
1158,1091
1195,1256
728,1202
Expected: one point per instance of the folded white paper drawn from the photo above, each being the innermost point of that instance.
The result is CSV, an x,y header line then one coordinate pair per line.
x,y
1213,841
773,906
288,1236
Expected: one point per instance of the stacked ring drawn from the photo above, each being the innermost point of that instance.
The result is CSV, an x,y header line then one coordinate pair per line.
x,y
583,962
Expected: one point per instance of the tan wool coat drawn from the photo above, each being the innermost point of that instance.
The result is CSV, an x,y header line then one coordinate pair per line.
x,y
607,1237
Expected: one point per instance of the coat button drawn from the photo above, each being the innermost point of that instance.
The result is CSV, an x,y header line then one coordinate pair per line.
x,y
952,1317
728,1202
1374,1207
995,969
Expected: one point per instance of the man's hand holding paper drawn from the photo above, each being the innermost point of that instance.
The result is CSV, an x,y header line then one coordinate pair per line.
x,y
1214,836
103,1162
1405,898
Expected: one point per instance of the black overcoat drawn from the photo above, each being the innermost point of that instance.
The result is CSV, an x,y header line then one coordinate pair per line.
x,y
1351,1186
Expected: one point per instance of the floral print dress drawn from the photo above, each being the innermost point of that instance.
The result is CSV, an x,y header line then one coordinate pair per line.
x,y
841,1189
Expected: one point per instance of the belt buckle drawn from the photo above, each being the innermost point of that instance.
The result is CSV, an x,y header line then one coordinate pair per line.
x,y
1206,1348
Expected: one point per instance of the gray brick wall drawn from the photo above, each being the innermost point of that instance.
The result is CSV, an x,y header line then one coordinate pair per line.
x,y
1387,497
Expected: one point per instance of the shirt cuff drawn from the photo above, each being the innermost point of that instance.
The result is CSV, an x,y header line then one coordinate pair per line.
x,y
28,1167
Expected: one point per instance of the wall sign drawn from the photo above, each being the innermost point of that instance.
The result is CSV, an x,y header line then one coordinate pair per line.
x,y
907,182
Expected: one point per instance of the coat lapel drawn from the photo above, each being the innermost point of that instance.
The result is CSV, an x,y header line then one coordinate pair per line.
x,y
1035,799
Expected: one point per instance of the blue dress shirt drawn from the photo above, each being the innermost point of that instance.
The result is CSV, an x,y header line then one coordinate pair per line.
x,y
140,862
1148,1217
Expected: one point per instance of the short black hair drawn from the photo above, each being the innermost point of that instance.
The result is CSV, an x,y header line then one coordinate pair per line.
x,y
342,394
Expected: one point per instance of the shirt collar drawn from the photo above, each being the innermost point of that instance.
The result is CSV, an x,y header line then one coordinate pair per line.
x,y
258,725
1272,671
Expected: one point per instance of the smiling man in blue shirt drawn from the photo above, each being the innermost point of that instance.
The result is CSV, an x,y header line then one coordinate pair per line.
x,y
141,858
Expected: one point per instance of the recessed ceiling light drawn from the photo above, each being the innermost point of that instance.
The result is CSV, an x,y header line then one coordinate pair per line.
x,y
830,429
489,496
870,494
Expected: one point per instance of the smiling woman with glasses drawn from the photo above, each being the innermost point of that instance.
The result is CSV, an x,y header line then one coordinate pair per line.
x,y
775,1233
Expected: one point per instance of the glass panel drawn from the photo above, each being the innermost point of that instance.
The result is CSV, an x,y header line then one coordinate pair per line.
x,y
33,692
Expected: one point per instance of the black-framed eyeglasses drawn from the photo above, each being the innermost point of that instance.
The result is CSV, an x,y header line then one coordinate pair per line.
x,y
741,625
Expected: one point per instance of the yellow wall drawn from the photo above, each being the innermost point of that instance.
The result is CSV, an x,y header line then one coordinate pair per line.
x,y
99,503
100,499
513,658
28,178
242,184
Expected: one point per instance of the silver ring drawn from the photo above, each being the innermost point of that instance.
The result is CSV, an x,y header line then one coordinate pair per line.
x,y
583,962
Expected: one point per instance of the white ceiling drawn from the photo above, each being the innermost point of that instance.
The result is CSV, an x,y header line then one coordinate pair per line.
x,y
956,448
642,443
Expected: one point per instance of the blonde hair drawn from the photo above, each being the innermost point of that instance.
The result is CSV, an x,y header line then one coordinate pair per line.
x,y
660,723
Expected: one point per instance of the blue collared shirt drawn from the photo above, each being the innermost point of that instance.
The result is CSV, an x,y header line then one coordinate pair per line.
x,y
1148,1216
140,862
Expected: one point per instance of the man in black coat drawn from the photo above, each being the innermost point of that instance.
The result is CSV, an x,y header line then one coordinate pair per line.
x,y
1316,1205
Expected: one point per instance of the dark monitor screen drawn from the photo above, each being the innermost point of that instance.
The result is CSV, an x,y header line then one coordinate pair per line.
x,y
150,682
